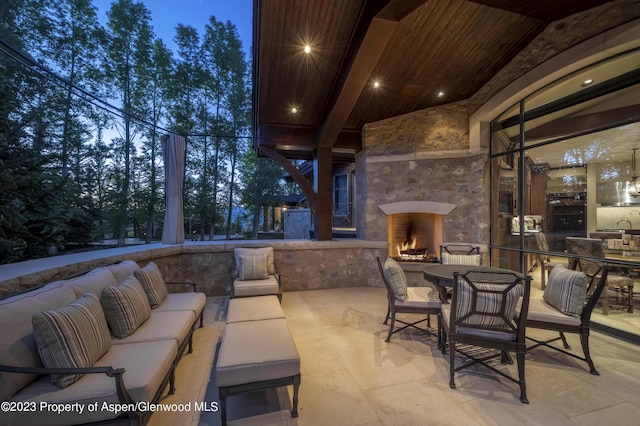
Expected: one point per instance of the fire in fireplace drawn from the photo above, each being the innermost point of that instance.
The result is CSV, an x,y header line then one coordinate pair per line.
x,y
413,237
415,229
408,251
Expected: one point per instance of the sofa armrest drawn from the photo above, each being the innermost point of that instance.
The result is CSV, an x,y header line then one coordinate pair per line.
x,y
184,283
116,373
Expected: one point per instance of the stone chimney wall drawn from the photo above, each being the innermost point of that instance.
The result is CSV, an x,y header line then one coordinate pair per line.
x,y
424,156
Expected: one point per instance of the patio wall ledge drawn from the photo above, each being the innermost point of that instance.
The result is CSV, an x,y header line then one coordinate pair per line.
x,y
303,264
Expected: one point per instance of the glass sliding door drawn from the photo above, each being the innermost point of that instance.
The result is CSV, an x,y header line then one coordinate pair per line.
x,y
563,164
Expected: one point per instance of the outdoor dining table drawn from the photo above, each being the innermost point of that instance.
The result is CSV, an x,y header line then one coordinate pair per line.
x,y
442,275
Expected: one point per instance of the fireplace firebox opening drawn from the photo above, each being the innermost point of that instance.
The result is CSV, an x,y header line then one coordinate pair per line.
x,y
415,237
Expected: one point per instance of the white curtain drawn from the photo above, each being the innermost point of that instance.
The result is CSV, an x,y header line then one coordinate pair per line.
x,y
174,154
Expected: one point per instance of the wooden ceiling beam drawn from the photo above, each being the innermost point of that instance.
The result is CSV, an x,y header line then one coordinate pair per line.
x,y
366,57
302,138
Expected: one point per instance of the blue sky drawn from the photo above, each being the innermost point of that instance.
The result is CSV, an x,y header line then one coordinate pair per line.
x,y
167,14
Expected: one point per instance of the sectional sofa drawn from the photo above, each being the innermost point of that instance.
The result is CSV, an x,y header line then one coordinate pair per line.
x,y
101,347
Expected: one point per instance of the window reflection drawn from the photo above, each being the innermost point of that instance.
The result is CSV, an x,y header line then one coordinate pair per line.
x,y
574,179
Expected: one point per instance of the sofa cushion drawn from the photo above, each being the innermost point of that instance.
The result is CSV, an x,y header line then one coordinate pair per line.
x,y
18,345
566,290
92,282
167,325
73,336
253,267
396,278
271,269
123,269
153,284
126,307
183,302
143,377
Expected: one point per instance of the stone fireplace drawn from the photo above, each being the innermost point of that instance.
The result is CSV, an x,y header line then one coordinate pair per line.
x,y
415,229
419,170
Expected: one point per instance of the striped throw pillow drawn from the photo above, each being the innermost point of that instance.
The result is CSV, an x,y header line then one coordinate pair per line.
x,y
461,259
126,307
487,304
246,251
253,267
566,290
153,284
396,278
74,336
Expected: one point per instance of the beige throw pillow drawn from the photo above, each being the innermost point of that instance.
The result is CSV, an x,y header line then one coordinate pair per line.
x,y
253,267
74,336
125,306
153,284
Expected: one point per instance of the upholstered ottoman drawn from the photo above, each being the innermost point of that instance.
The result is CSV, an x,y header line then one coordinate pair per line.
x,y
257,355
254,309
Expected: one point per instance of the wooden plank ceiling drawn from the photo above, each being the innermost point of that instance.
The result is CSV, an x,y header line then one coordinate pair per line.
x,y
415,49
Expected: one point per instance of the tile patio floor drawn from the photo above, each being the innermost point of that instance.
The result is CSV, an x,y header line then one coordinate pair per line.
x,y
350,376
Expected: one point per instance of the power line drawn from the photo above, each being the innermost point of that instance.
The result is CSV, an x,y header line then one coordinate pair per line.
x,y
22,58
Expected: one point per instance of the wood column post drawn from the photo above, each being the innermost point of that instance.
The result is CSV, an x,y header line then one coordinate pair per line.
x,y
322,181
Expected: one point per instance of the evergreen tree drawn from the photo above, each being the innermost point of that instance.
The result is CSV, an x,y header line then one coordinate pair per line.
x,y
127,71
160,73
261,186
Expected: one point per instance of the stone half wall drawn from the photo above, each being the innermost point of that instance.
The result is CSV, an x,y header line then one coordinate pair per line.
x,y
424,156
303,265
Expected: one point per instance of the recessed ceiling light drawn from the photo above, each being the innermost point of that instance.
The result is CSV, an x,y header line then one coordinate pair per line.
x,y
440,94
587,82
307,49
294,110
376,84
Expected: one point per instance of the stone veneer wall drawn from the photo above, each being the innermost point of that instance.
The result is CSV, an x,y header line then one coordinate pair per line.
x,y
296,224
424,156
303,265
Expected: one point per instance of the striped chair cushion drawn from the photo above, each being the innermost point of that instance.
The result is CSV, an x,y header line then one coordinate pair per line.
x,y
461,259
125,306
396,278
566,290
253,267
487,303
153,284
74,336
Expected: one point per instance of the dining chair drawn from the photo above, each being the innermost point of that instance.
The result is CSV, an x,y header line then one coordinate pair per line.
x,y
566,307
461,254
402,299
591,259
544,260
481,315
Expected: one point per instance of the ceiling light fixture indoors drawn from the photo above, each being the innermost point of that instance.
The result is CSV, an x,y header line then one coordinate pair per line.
x,y
634,187
440,94
307,49
587,82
